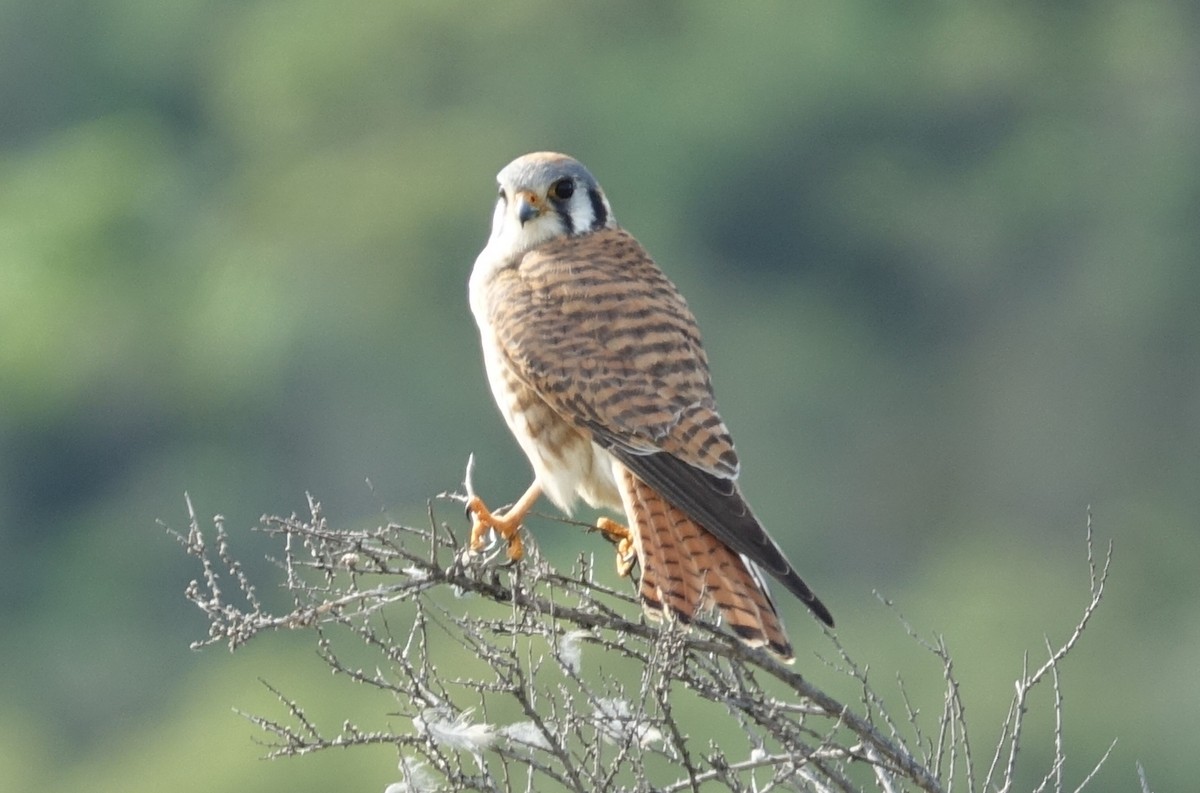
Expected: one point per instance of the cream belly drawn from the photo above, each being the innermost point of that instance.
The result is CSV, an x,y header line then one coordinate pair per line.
x,y
568,466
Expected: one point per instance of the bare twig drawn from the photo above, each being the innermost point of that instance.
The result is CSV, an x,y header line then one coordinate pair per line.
x,y
550,680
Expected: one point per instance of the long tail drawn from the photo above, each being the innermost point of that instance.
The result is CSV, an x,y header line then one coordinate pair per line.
x,y
686,570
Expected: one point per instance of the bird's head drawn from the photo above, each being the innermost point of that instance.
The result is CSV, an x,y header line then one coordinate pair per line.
x,y
544,196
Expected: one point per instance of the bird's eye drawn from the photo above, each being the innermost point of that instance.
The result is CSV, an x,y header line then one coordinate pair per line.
x,y
503,195
563,189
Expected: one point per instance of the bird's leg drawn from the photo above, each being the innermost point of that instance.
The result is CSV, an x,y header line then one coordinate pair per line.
x,y
506,525
622,537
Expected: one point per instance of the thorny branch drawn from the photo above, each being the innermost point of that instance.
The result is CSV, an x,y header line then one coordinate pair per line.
x,y
493,693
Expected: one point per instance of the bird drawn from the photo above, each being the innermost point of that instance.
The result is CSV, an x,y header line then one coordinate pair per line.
x,y
596,363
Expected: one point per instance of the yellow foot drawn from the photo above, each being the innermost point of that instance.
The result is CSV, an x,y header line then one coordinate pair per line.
x,y
622,537
507,526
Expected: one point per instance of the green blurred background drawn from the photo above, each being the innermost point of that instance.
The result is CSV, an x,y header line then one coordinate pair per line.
x,y
945,258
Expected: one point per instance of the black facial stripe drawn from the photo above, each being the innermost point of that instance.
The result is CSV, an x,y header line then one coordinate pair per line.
x,y
564,215
599,213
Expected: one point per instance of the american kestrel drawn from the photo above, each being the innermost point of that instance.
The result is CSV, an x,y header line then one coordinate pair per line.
x,y
596,363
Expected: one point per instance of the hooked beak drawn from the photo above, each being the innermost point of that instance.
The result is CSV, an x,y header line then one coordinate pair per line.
x,y
527,207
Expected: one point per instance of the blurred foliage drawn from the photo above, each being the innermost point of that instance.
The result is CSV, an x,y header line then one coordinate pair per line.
x,y
945,258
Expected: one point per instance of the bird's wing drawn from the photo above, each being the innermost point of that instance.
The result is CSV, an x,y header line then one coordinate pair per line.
x,y
595,328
